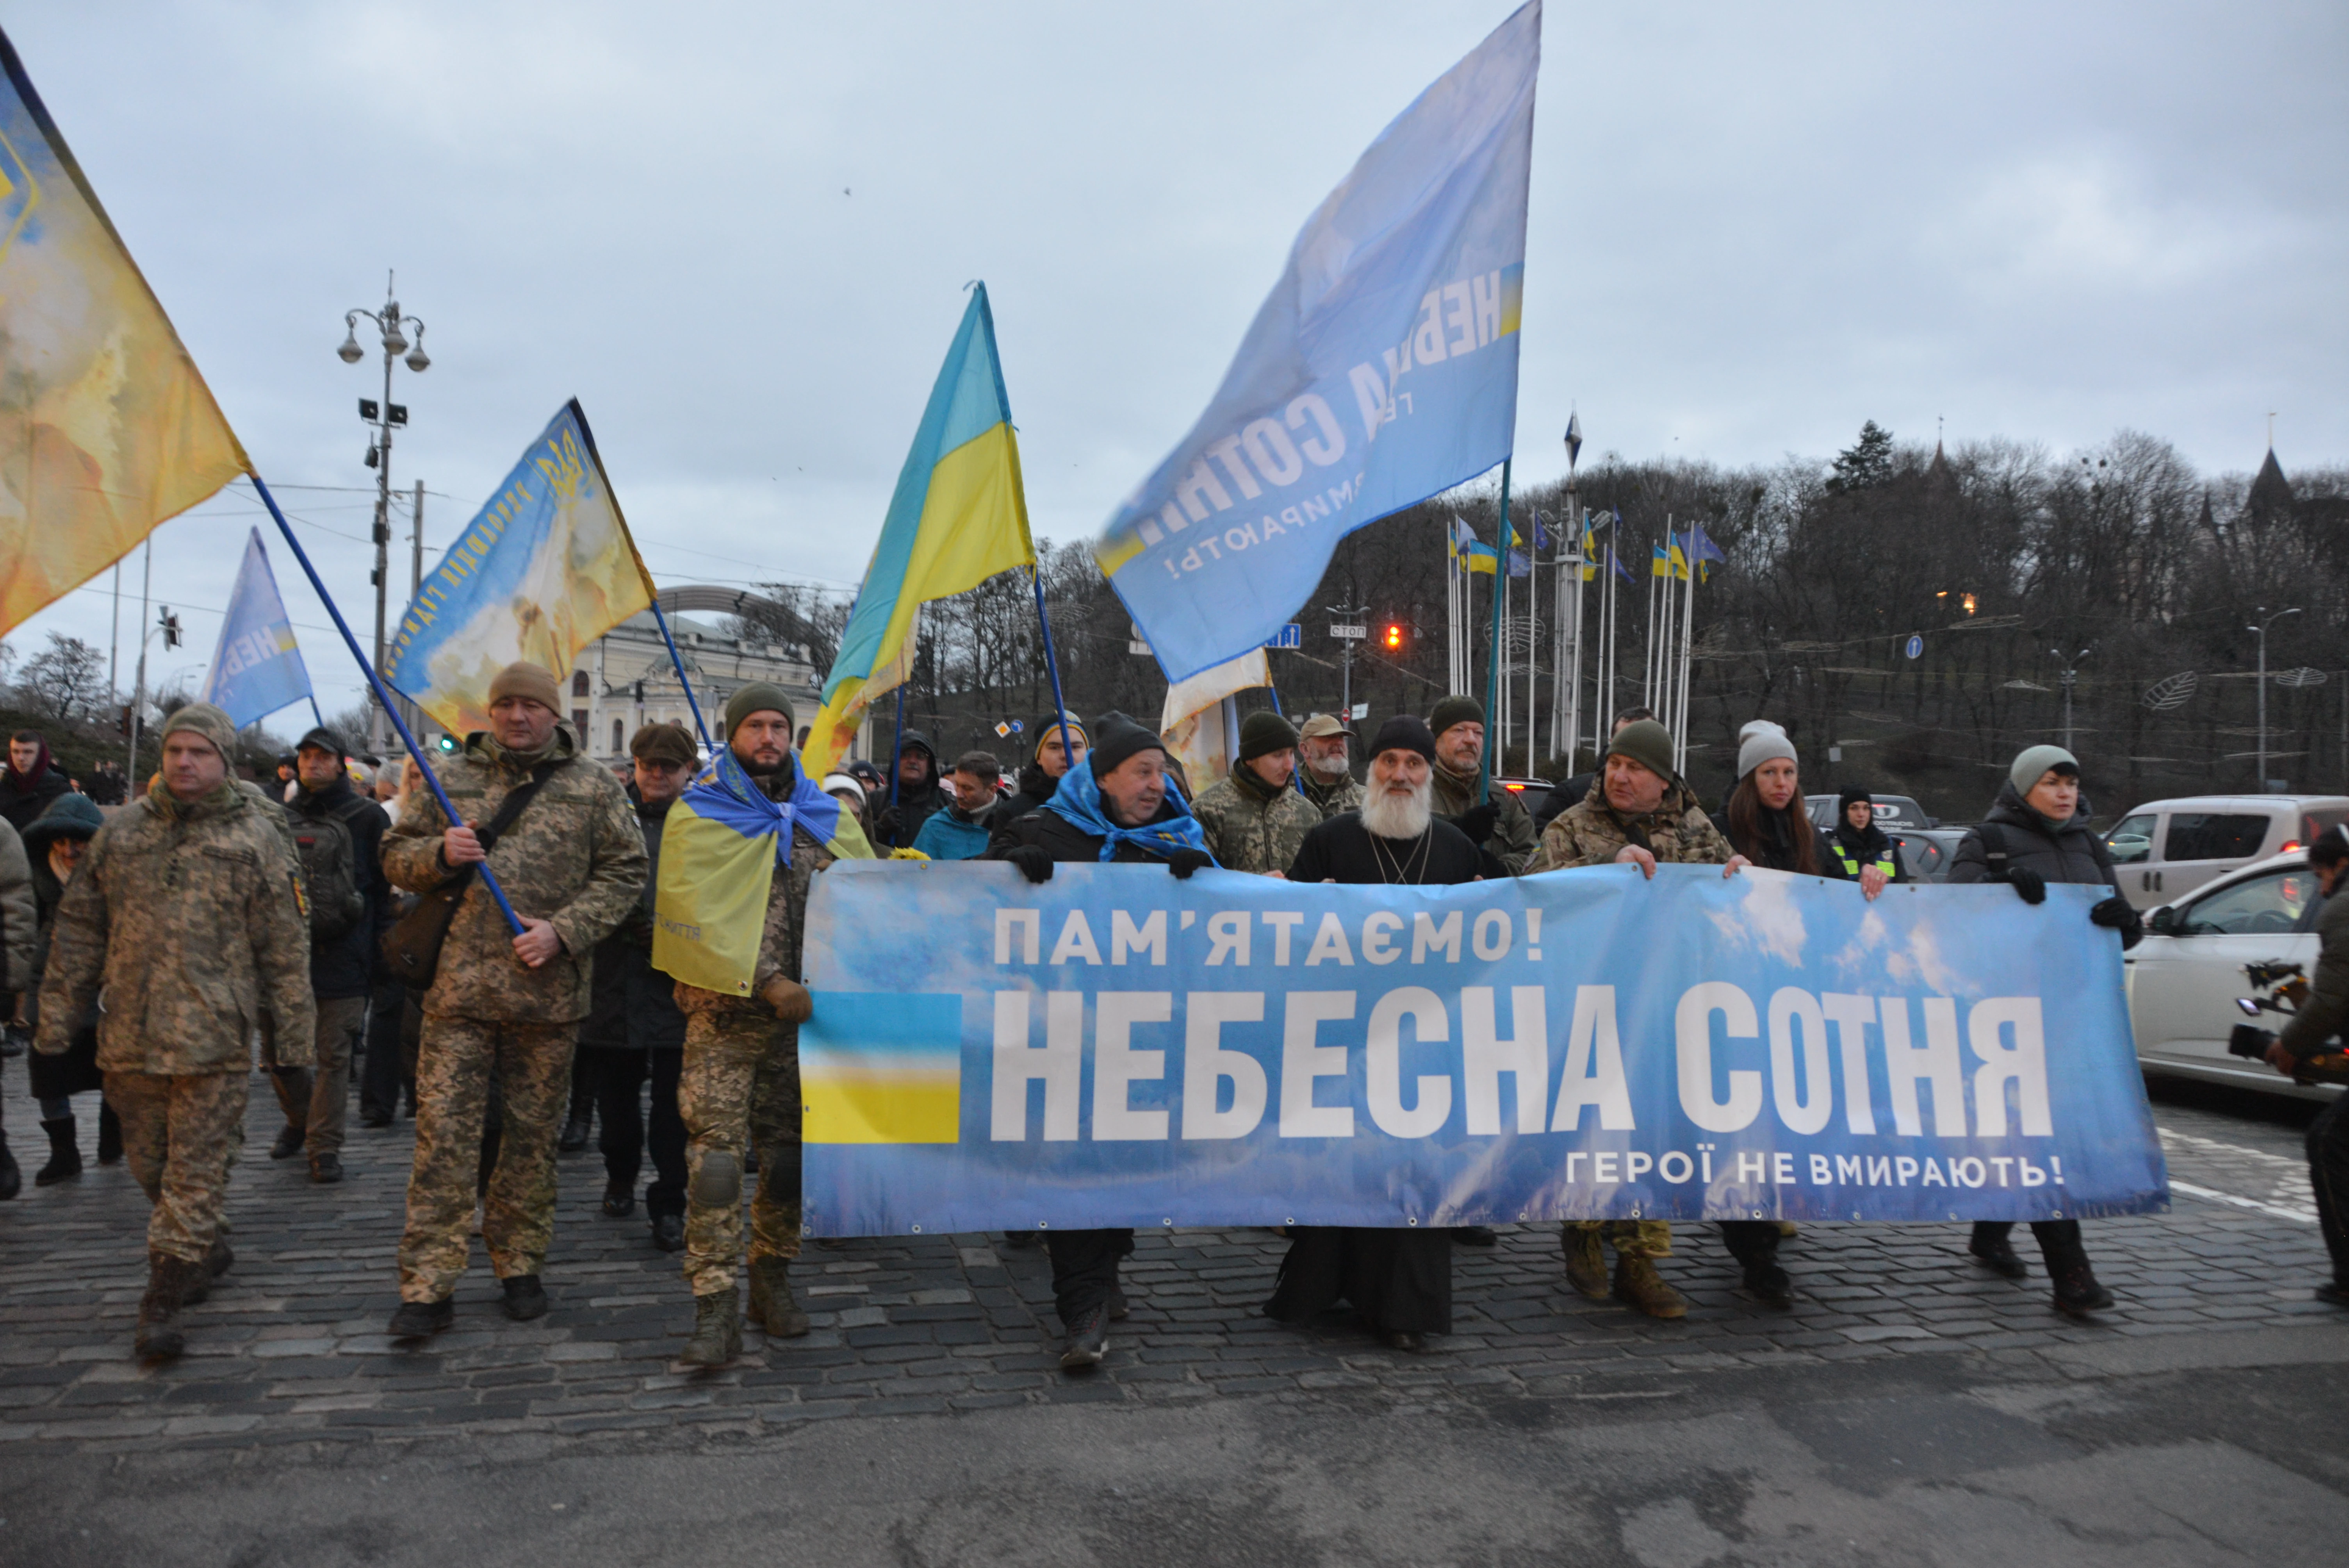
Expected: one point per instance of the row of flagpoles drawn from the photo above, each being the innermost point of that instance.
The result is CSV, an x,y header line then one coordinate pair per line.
x,y
1671,624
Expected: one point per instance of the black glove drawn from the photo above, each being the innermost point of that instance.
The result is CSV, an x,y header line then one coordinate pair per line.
x,y
885,826
1477,822
1183,863
2028,885
1034,863
2115,911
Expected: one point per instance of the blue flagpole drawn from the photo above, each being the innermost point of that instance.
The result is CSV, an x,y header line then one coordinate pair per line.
x,y
897,747
662,622
1493,665
382,695
1053,668
315,717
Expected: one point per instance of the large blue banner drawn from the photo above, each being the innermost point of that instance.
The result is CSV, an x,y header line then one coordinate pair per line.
x,y
1118,1048
1382,369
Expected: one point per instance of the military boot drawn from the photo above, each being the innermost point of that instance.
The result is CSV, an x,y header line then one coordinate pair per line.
x,y
11,1181
1586,1261
771,1302
1638,1283
218,1260
716,1329
168,1282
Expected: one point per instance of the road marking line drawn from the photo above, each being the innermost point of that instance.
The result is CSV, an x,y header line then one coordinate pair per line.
x,y
2191,1191
2169,1135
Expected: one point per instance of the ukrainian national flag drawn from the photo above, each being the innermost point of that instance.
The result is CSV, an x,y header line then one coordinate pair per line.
x,y
959,517
720,844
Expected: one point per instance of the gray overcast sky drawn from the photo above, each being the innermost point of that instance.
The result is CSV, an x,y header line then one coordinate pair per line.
x,y
739,233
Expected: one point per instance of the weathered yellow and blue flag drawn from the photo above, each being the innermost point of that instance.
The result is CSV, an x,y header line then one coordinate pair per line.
x,y
107,427
958,518
719,846
543,570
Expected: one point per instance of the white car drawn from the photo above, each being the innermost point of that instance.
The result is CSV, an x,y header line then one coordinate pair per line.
x,y
2184,976
2164,850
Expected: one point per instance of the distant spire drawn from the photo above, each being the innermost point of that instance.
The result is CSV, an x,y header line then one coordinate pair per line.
x,y
2271,492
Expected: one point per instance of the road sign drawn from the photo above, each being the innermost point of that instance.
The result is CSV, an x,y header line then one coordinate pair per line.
x,y
1915,648
1360,710
1136,646
1002,730
1349,634
1292,635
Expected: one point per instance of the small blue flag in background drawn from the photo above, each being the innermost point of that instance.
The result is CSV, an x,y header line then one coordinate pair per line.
x,y
258,668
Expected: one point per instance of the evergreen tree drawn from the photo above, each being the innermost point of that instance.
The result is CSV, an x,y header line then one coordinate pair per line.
x,y
1865,464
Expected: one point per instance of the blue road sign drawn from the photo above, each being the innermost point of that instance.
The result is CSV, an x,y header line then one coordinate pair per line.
x,y
1915,648
1290,636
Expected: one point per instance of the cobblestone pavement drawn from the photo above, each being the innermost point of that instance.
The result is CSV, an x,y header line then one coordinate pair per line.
x,y
290,1348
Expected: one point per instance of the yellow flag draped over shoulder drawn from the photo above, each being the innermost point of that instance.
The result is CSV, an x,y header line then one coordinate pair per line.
x,y
959,517
106,429
543,570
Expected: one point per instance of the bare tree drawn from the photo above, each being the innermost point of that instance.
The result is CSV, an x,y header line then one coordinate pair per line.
x,y
67,679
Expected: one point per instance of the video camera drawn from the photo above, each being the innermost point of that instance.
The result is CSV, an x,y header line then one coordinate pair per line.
x,y
2285,984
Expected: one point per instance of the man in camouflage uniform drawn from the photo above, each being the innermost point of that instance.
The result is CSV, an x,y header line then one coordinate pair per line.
x,y
1501,826
1328,773
500,1005
1640,813
741,1077
1253,819
187,915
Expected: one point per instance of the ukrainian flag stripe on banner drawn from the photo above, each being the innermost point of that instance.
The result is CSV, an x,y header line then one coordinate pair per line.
x,y
959,517
883,1068
107,427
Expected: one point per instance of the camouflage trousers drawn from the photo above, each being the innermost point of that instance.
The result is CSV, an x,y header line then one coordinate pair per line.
x,y
1631,1238
180,1135
741,1085
455,1063
317,1096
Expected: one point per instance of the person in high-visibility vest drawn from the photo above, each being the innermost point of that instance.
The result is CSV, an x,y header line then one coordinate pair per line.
x,y
1857,850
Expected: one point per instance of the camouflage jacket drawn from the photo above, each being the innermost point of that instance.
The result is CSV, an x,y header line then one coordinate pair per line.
x,y
1589,833
184,926
20,912
1251,827
1512,842
1332,800
575,858
779,939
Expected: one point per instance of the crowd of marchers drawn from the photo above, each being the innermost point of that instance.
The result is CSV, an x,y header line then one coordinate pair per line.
x,y
154,949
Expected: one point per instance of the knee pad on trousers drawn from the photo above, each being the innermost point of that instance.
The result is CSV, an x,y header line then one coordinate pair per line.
x,y
718,1182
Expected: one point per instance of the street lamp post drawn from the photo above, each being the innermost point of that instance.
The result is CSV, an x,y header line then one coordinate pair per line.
x,y
385,417
2070,675
2263,630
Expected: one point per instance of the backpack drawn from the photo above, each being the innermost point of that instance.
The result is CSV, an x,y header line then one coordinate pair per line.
x,y
330,862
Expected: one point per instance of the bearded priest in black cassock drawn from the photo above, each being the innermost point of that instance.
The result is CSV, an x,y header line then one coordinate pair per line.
x,y
1400,1280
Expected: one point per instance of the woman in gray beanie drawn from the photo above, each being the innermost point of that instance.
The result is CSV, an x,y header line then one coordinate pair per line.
x,y
1766,821
2037,832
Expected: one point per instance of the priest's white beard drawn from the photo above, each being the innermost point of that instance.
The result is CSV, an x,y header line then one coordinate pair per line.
x,y
1396,811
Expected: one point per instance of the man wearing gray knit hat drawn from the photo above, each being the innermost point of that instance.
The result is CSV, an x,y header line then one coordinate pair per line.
x,y
1501,824
1254,819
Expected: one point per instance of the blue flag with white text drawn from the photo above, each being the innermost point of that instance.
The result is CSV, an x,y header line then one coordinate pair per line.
x,y
1381,370
258,668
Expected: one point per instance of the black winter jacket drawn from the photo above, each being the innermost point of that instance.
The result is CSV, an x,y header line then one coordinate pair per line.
x,y
1066,843
631,1005
2071,853
342,966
